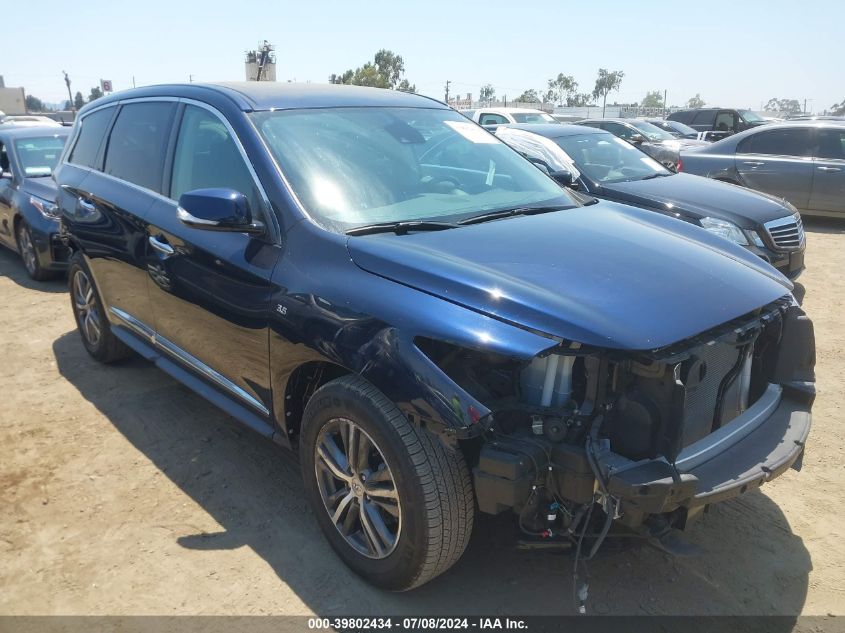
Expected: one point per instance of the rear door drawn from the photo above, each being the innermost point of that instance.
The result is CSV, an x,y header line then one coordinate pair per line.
x,y
828,193
210,290
109,201
779,162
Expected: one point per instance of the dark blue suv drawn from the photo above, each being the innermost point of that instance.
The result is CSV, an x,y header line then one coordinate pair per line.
x,y
433,323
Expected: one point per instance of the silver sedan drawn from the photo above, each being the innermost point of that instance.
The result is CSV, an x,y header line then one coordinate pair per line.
x,y
803,162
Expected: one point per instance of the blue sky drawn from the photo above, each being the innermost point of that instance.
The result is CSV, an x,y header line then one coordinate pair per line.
x,y
735,53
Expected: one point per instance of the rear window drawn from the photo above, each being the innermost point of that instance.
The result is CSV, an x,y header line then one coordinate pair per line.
x,y
136,146
786,142
684,116
38,156
87,146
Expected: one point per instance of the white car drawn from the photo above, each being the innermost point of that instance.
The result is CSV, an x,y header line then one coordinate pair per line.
x,y
503,116
29,120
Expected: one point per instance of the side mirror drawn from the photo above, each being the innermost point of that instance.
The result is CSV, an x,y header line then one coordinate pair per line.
x,y
565,178
218,210
636,139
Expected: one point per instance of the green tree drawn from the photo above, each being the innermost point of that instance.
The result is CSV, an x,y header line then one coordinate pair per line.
x,y
838,109
607,82
695,102
783,106
528,96
33,104
385,71
578,100
487,93
561,88
652,99
96,93
78,100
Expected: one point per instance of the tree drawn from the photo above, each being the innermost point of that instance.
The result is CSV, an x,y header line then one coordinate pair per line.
x,y
68,105
528,96
695,102
783,106
560,88
578,100
34,104
405,86
96,93
653,99
607,82
487,93
78,100
385,71
838,109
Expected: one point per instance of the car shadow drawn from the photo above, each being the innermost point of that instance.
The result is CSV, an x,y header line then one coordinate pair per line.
x,y
12,267
753,563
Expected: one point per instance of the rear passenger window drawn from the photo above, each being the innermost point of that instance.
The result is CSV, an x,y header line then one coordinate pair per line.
x,y
785,142
91,133
831,144
137,143
207,157
706,117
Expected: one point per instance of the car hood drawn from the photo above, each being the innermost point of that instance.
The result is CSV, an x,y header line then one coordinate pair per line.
x,y
699,197
41,187
606,274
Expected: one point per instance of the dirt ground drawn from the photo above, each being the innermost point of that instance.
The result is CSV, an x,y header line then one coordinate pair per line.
x,y
121,492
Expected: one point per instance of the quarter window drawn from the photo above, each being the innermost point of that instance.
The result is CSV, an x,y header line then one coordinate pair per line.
x,y
207,157
87,146
138,143
783,142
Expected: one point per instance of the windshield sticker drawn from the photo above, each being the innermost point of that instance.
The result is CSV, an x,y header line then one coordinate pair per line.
x,y
471,131
491,173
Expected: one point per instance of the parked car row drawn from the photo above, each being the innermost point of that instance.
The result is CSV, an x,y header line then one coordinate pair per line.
x,y
434,324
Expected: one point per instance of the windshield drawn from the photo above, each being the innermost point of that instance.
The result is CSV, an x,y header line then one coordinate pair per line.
x,y
533,117
651,131
351,167
605,158
750,117
38,156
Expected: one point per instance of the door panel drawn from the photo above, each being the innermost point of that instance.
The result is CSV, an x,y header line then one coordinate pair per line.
x,y
210,292
778,162
828,192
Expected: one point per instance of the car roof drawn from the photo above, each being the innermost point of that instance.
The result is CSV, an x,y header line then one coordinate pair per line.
x,y
512,110
610,118
13,133
270,95
555,130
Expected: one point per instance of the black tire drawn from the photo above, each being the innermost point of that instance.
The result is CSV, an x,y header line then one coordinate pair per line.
x,y
29,255
105,347
435,498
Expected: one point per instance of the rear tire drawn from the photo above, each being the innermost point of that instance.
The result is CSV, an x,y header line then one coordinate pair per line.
x,y
91,320
427,529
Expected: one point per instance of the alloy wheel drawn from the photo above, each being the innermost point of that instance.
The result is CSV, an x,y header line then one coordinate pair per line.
x,y
27,250
357,488
85,304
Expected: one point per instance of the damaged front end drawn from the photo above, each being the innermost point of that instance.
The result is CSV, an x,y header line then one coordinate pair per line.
x,y
649,438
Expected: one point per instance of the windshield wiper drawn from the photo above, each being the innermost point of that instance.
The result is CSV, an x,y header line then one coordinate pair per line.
x,y
401,228
658,175
508,213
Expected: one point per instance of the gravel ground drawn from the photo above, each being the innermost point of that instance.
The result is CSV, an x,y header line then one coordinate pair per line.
x,y
121,492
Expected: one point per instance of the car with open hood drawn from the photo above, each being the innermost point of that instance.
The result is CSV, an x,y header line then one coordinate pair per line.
x,y
599,164
432,323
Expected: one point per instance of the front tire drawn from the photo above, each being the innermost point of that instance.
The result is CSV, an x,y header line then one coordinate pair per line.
x,y
91,320
26,248
393,501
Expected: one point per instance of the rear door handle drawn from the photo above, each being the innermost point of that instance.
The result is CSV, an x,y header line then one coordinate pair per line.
x,y
823,168
753,163
162,247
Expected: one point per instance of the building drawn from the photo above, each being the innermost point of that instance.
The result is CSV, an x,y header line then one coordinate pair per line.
x,y
12,100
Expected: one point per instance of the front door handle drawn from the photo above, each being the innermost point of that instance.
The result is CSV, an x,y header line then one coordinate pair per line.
x,y
823,168
753,163
86,206
162,247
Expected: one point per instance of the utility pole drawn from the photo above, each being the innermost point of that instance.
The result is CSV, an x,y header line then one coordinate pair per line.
x,y
447,90
69,95
190,79
665,104
133,81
